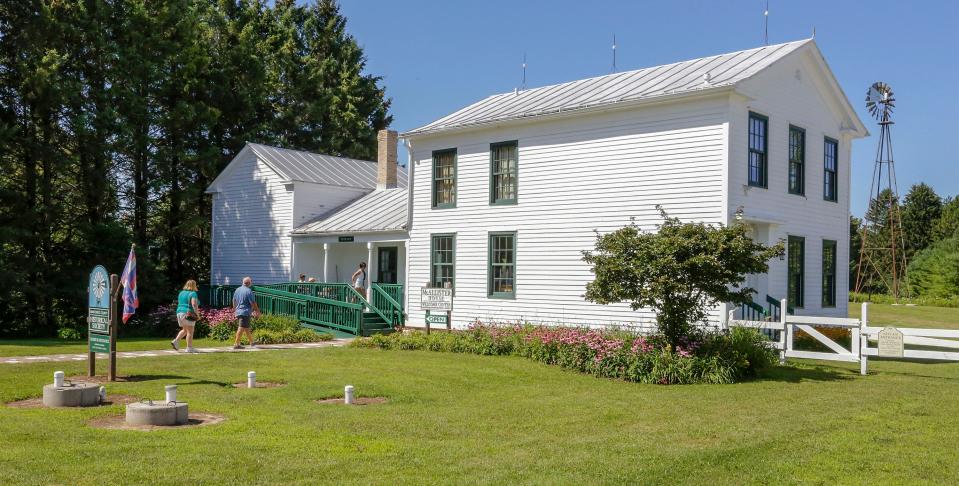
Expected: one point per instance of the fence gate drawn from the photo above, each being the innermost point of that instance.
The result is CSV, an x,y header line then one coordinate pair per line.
x,y
936,344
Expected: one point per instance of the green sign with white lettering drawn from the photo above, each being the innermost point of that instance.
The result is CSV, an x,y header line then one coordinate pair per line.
x,y
436,319
346,239
99,343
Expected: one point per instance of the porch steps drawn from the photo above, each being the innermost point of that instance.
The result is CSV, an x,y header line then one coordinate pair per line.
x,y
374,324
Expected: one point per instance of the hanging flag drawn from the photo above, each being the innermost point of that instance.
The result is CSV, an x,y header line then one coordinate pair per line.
x,y
129,282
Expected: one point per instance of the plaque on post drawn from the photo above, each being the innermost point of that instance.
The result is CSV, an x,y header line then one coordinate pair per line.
x,y
99,299
891,343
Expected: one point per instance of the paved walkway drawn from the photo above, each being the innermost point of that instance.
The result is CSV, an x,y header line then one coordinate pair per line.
x,y
167,352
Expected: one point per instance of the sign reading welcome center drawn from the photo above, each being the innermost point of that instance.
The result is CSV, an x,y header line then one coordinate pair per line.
x,y
433,299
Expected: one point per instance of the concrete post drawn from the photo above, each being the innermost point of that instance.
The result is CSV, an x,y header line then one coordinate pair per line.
x,y
251,379
170,393
58,379
348,395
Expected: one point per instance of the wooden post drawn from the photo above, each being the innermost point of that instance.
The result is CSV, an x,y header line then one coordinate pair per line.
x,y
786,337
864,340
427,323
116,310
449,320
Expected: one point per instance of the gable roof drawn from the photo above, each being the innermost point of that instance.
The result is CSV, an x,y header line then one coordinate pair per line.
x,y
380,210
686,77
300,166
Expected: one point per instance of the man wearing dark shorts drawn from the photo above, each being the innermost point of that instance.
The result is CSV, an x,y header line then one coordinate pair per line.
x,y
244,308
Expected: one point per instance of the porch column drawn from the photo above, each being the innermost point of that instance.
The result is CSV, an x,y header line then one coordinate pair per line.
x,y
369,269
326,259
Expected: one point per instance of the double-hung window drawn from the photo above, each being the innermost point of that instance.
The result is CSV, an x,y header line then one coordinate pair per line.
x,y
830,169
444,178
503,170
758,145
795,271
442,261
797,160
828,273
502,265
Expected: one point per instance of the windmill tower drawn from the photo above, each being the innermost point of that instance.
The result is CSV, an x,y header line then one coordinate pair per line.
x,y
882,258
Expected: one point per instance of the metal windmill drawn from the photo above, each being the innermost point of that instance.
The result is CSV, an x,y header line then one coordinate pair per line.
x,y
883,254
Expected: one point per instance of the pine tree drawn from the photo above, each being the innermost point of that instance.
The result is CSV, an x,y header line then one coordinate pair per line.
x,y
921,209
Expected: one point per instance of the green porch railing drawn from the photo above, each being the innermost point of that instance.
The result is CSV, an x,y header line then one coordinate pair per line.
x,y
216,295
331,291
775,308
395,291
752,311
382,298
345,316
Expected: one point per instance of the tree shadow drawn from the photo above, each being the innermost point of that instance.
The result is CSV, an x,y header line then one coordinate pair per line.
x,y
793,374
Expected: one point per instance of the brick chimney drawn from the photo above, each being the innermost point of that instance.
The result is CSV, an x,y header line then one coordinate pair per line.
x,y
386,159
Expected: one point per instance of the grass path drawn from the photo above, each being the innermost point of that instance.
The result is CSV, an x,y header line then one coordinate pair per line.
x,y
492,420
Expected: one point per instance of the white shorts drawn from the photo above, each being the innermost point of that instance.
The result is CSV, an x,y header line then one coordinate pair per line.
x,y
183,321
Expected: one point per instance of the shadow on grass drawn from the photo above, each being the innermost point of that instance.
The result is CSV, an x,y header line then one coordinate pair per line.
x,y
793,374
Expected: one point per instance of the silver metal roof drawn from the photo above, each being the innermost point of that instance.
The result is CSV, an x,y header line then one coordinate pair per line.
x,y
296,165
671,79
380,210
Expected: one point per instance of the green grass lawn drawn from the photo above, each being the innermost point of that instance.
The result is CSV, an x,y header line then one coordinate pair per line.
x,y
26,347
881,315
473,419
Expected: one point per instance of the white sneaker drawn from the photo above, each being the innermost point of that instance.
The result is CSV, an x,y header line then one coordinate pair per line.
x,y
175,345
191,350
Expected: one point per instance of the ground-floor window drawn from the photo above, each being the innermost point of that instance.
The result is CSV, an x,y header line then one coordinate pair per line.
x,y
442,261
828,273
796,264
502,265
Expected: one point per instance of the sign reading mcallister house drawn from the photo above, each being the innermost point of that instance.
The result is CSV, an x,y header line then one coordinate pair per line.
x,y
436,299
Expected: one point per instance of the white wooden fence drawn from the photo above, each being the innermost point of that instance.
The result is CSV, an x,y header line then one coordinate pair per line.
x,y
861,333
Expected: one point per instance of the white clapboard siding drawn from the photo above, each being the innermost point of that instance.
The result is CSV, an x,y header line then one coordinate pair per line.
x,y
578,176
252,218
792,92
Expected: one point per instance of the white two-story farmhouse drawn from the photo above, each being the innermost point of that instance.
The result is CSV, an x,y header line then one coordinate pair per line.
x,y
507,192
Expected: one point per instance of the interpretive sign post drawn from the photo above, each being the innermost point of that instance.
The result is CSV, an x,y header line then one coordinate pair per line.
x,y
99,311
891,343
437,299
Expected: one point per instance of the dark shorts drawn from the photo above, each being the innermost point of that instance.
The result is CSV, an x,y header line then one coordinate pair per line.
x,y
243,321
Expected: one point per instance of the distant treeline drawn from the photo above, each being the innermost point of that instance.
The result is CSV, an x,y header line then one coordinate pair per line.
x,y
930,236
116,114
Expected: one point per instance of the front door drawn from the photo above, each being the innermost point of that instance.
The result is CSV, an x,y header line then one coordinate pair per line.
x,y
386,264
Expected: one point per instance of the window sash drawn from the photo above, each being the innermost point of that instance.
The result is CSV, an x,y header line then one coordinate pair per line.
x,y
502,265
828,273
830,169
797,160
503,172
444,178
758,145
796,263
442,261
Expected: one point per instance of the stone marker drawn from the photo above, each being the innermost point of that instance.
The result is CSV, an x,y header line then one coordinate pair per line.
x,y
348,395
78,394
251,379
150,413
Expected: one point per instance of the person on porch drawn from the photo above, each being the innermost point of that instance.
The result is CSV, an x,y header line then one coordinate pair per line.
x,y
359,279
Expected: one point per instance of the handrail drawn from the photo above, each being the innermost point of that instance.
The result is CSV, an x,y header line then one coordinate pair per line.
x,y
752,311
774,304
365,302
396,310
393,290
318,310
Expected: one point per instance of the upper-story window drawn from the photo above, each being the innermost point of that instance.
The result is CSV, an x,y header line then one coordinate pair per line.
x,y
830,164
797,160
758,145
444,178
442,261
503,171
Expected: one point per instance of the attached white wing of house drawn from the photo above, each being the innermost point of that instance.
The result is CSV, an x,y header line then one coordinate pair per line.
x,y
266,195
508,191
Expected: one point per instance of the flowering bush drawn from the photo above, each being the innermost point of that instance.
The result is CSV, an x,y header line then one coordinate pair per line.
x,y
267,329
699,358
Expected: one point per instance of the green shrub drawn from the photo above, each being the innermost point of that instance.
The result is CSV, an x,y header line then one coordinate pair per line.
x,y
934,272
701,358
917,300
70,334
270,329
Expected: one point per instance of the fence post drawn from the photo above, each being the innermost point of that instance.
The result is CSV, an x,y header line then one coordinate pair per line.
x,y
786,336
864,340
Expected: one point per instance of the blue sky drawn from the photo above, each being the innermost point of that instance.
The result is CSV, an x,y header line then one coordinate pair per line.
x,y
436,57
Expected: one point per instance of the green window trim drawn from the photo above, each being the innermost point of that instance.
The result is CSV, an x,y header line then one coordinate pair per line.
x,y
503,181
443,269
443,186
830,163
501,265
757,144
796,271
796,175
828,273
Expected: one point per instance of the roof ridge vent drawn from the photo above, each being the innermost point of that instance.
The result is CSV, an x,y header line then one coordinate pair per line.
x,y
707,79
